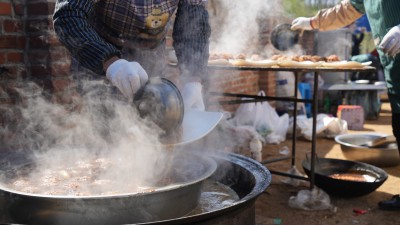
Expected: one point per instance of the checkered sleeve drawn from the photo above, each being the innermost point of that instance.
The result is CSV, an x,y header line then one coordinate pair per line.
x,y
197,2
74,31
191,38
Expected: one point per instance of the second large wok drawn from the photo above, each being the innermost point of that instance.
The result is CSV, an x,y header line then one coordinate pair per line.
x,y
325,167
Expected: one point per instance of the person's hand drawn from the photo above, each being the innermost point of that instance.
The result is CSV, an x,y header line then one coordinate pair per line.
x,y
192,96
128,77
391,42
301,23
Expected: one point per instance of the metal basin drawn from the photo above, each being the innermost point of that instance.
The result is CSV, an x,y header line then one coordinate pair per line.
x,y
325,167
382,157
163,203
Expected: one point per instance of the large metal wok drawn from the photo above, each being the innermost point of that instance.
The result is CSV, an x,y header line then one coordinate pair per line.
x,y
161,204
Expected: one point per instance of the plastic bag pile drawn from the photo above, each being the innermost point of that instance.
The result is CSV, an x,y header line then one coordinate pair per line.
x,y
273,128
263,117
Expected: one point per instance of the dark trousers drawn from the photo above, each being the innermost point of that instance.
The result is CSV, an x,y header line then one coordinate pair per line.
x,y
396,127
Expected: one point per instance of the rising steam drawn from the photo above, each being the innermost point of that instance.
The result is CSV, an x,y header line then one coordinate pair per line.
x,y
105,127
236,24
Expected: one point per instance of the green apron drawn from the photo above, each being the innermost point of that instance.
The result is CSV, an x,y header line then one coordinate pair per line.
x,y
382,16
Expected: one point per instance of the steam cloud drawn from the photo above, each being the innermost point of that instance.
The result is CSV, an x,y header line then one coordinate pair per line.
x,y
104,127
237,23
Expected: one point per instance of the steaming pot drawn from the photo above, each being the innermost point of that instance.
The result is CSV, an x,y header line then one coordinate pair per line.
x,y
283,37
161,102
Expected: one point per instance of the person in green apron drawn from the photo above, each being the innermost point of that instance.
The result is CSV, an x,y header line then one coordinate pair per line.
x,y
384,18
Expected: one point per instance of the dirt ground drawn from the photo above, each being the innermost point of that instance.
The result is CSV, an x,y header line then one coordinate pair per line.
x,y
273,203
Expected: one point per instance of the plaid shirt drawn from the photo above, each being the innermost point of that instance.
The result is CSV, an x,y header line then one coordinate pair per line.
x,y
96,30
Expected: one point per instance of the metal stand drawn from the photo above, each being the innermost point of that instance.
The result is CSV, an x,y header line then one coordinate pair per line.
x,y
294,99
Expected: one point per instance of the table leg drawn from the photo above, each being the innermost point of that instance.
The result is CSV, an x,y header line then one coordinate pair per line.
x,y
296,79
314,130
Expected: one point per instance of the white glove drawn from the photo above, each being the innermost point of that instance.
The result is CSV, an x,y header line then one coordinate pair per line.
x,y
192,96
301,23
391,42
128,77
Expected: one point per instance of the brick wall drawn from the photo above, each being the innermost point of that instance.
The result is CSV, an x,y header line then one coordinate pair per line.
x,y
12,48
32,61
29,50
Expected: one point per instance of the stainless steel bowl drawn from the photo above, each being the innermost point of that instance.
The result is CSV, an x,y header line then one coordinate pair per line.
x,y
351,147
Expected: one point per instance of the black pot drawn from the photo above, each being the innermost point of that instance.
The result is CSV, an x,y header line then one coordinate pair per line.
x,y
283,37
324,167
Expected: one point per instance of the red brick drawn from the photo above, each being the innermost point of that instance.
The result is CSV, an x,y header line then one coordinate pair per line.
x,y
40,71
39,42
44,56
59,54
4,101
38,56
14,72
41,8
61,69
3,93
5,8
15,57
12,42
35,25
11,26
62,84
2,58
19,9
23,73
44,41
44,82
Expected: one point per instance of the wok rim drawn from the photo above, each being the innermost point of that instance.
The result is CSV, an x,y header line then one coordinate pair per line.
x,y
379,171
211,168
263,180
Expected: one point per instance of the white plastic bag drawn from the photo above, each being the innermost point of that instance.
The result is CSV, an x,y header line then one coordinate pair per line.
x,y
281,126
278,125
315,199
264,118
327,126
252,114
